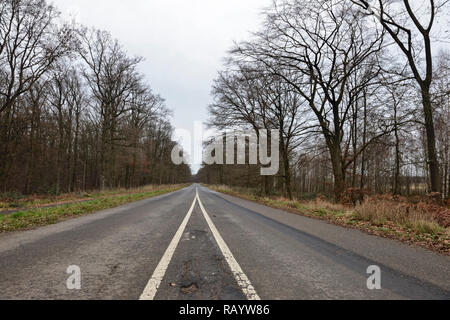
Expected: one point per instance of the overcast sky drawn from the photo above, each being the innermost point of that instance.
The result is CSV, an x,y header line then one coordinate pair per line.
x,y
183,42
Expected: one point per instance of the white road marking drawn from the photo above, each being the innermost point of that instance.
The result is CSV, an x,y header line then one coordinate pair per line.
x,y
242,280
155,281
158,275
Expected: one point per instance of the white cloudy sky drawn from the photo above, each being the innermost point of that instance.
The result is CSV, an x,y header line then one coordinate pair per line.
x,y
183,41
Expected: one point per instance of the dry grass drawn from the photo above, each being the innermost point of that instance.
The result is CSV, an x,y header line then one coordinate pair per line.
x,y
320,203
35,217
420,223
15,201
416,217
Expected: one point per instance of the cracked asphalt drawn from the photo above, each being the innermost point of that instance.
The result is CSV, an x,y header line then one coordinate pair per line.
x,y
284,256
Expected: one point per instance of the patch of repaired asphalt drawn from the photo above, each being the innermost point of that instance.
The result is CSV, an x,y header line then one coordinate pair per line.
x,y
198,270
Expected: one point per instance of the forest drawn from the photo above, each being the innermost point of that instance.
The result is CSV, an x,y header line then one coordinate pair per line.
x,y
76,113
359,91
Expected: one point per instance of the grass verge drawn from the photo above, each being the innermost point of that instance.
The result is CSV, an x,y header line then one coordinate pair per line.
x,y
31,218
13,201
379,218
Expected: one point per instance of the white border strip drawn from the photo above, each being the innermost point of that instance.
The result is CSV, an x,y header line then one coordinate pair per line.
x,y
242,280
158,275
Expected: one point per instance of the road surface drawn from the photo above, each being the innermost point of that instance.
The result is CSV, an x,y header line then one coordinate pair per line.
x,y
201,245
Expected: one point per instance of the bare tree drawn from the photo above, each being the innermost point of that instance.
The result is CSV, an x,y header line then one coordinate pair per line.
x,y
247,96
323,45
111,76
75,114
30,43
402,32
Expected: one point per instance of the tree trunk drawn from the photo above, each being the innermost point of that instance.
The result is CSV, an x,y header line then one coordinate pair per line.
x,y
396,188
73,183
338,172
4,145
433,162
60,150
363,155
287,174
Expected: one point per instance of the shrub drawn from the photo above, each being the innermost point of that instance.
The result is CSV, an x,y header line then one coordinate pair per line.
x,y
353,196
421,217
434,198
12,196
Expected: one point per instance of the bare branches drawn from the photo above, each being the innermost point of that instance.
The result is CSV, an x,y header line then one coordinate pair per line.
x,y
327,79
394,28
30,44
75,114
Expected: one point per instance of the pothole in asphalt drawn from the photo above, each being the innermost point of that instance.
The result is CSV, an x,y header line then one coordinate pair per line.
x,y
191,288
193,235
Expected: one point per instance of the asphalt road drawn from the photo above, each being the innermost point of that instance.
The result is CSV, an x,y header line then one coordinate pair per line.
x,y
178,246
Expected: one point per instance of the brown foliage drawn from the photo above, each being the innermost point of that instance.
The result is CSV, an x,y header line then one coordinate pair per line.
x,y
353,196
430,207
